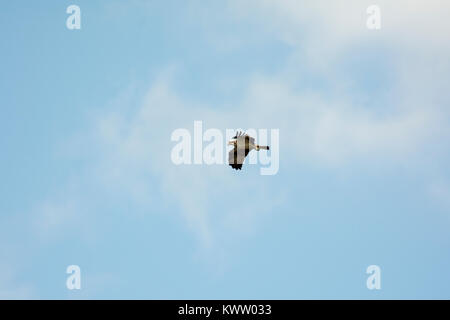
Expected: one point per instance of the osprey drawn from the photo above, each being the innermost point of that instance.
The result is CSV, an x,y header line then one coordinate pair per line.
x,y
242,144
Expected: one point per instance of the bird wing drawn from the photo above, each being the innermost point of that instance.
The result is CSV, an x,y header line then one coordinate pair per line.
x,y
243,136
250,139
236,157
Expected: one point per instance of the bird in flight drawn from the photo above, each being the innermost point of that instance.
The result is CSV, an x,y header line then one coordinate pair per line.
x,y
242,144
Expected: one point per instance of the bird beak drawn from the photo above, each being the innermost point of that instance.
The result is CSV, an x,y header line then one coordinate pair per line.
x,y
230,143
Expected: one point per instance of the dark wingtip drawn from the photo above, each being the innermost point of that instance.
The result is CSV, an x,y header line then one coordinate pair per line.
x,y
236,166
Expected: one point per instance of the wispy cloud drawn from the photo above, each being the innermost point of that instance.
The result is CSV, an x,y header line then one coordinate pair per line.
x,y
141,155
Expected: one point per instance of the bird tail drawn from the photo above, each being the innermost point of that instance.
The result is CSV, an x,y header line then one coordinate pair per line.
x,y
264,147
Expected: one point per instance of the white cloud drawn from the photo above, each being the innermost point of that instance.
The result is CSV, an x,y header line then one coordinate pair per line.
x,y
337,23
137,153
338,130
315,129
327,34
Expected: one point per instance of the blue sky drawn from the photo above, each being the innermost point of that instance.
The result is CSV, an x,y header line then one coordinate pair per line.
x,y
86,119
